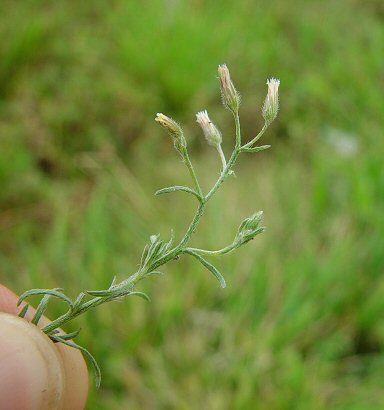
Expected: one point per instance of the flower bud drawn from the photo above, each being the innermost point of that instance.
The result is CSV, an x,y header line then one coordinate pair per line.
x,y
211,133
174,130
229,94
249,228
169,124
271,103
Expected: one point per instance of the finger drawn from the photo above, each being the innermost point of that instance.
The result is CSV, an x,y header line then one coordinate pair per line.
x,y
74,369
8,301
31,372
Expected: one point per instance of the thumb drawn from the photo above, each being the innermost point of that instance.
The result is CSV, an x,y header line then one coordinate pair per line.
x,y
32,374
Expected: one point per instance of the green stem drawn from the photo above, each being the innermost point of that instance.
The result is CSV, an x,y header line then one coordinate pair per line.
x,y
66,317
222,156
223,176
258,136
227,170
222,251
192,172
193,225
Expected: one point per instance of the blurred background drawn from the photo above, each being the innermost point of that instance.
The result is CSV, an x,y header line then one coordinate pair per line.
x,y
301,324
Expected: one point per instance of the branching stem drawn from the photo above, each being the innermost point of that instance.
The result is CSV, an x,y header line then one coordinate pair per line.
x,y
157,252
179,249
258,136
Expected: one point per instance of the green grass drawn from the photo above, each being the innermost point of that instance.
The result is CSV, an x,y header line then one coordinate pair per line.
x,y
300,325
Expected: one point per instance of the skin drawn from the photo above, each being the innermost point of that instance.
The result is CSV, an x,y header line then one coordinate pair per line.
x,y
36,374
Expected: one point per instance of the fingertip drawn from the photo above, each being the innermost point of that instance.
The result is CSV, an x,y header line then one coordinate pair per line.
x,y
32,375
72,362
8,301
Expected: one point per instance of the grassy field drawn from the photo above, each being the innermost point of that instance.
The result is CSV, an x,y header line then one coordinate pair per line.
x,y
300,324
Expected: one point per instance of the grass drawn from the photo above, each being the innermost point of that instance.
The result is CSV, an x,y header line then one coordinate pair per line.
x,y
300,324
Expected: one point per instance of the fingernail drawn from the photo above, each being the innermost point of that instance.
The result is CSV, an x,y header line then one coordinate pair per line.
x,y
31,369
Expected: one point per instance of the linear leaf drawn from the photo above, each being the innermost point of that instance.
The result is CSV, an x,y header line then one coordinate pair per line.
x,y
140,294
85,353
154,272
101,293
256,149
24,311
210,267
68,336
78,300
56,292
177,188
41,308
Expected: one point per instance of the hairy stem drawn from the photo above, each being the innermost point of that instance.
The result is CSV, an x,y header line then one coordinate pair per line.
x,y
222,251
222,156
228,169
192,172
258,136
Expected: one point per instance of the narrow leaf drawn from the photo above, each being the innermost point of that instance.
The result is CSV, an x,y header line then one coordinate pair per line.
x,y
154,272
24,311
101,293
40,309
256,149
144,255
140,294
153,250
56,292
78,300
85,353
178,188
210,267
68,336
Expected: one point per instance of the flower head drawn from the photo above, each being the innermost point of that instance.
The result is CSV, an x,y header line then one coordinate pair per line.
x,y
169,124
211,133
229,94
271,103
174,130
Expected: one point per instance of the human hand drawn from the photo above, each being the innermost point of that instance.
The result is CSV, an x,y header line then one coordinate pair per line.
x,y
36,374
